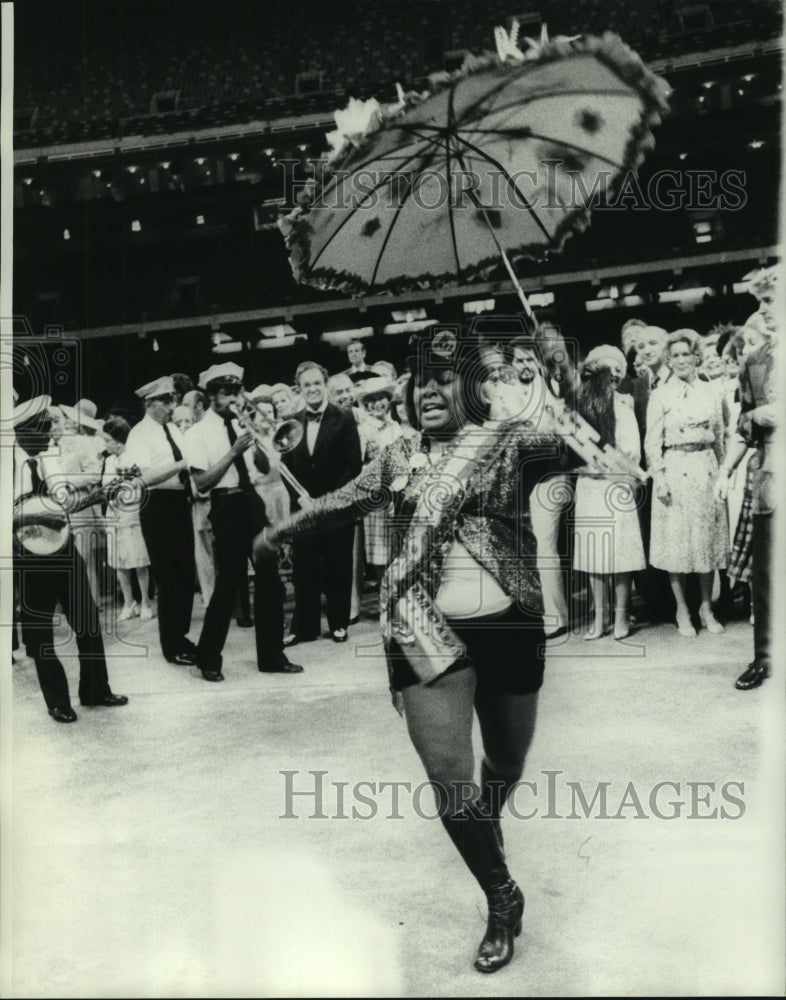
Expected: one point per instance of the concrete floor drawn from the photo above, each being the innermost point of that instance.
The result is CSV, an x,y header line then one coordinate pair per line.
x,y
148,856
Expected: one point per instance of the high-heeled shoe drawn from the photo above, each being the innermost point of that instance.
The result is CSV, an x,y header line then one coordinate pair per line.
x,y
685,627
506,908
129,611
710,622
594,634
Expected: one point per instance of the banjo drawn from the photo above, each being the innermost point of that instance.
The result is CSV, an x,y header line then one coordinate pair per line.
x,y
41,523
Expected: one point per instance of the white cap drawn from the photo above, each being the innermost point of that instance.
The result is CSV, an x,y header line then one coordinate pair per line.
x,y
30,408
229,373
163,386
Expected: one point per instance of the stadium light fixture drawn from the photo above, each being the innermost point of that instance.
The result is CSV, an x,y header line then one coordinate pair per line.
x,y
408,315
756,144
277,330
478,306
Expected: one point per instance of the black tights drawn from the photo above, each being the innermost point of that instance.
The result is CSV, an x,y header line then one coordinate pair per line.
x,y
440,718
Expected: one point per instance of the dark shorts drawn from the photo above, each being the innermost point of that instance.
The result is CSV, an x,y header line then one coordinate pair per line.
x,y
506,651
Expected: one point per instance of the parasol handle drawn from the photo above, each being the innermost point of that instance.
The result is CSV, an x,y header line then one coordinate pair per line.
x,y
532,322
519,290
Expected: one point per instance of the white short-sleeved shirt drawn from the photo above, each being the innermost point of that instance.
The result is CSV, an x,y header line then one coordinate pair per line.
x,y
207,442
147,447
50,469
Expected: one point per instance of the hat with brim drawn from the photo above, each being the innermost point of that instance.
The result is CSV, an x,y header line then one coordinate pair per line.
x,y
80,418
379,386
606,355
163,386
221,376
30,408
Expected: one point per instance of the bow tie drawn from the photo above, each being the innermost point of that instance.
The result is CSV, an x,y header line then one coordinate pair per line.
x,y
315,416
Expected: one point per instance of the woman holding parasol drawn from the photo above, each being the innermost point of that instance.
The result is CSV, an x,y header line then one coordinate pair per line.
x,y
461,606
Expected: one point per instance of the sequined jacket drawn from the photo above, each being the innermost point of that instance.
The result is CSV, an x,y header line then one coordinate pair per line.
x,y
492,520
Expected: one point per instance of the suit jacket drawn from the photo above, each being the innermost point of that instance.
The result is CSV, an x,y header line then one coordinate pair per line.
x,y
641,399
336,459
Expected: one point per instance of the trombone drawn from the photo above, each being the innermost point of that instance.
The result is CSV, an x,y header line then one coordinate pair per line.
x,y
286,435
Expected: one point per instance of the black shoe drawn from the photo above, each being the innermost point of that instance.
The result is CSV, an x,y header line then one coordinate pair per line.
x,y
283,667
752,677
63,713
108,701
243,621
355,620
292,639
339,635
506,908
186,659
213,675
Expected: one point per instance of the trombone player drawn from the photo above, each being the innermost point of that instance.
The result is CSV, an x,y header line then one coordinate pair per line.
x,y
223,464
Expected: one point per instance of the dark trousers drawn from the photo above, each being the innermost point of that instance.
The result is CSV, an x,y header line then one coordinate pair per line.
x,y
761,585
43,581
653,584
169,537
316,560
236,518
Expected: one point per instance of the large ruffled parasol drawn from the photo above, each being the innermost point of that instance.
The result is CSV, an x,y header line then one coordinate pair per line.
x,y
501,160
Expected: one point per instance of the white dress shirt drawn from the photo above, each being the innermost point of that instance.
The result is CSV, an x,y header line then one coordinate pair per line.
x,y
312,427
207,442
49,469
147,447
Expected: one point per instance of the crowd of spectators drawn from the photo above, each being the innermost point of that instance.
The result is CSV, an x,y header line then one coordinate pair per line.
x,y
92,67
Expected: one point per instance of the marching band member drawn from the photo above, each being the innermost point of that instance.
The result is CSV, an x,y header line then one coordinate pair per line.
x,y
223,464
44,580
155,446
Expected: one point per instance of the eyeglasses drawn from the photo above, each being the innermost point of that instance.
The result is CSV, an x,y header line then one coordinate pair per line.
x,y
166,398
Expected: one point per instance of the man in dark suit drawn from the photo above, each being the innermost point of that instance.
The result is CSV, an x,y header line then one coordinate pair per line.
x,y
327,457
651,351
358,370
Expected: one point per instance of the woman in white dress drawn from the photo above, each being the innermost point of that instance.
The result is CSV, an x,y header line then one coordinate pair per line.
x,y
126,551
685,444
607,536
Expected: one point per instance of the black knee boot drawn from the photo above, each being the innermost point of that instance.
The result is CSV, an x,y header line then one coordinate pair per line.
x,y
494,791
472,831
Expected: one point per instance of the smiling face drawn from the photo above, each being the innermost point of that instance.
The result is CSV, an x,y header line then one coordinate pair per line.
x,y
682,360
436,401
341,391
651,346
377,405
313,388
